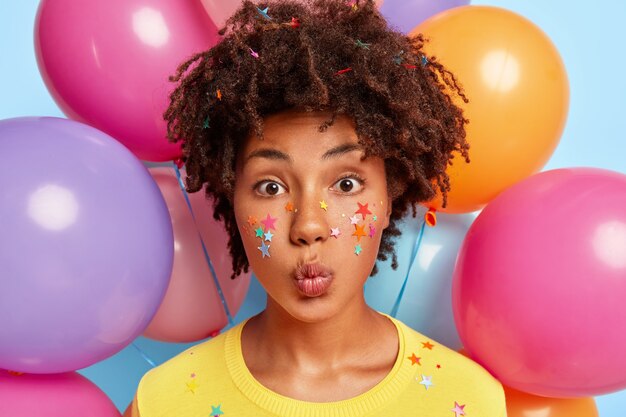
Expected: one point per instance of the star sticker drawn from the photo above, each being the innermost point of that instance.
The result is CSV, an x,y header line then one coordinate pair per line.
x,y
375,217
359,231
362,45
438,366
264,13
191,386
428,345
363,210
253,53
414,359
289,206
206,123
354,219
269,222
219,95
265,249
459,409
357,249
216,411
426,381
259,232
193,375
323,205
335,232
268,236
252,220
372,231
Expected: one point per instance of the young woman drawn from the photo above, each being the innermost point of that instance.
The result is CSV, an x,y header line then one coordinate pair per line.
x,y
316,127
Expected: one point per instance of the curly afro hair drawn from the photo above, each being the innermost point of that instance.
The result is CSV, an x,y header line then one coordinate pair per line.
x,y
317,55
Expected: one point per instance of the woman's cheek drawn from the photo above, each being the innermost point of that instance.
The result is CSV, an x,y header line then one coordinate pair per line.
x,y
358,225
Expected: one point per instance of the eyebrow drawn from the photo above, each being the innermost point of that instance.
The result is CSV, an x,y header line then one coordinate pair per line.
x,y
276,155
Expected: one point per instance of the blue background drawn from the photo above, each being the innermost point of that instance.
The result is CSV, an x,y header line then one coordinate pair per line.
x,y
588,36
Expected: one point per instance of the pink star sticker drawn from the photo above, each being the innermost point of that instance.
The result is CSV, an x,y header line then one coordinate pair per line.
x,y
335,232
354,219
372,231
458,409
269,222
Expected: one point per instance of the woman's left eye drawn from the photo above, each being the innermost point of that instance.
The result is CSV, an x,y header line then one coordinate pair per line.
x,y
269,188
351,184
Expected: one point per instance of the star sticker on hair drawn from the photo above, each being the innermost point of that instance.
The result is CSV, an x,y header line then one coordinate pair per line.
x,y
192,386
216,411
219,95
459,409
264,13
363,210
357,249
253,53
335,232
359,231
323,205
414,359
428,345
372,230
424,60
289,206
295,22
354,219
268,236
426,381
252,220
259,232
265,249
206,123
362,45
269,222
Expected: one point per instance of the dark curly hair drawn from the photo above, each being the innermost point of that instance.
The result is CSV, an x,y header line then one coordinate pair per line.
x,y
317,55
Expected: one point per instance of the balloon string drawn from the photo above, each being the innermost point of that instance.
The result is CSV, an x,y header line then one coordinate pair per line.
x,y
206,253
143,355
416,246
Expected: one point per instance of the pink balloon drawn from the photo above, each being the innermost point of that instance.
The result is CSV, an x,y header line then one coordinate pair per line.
x,y
540,283
192,308
55,395
106,63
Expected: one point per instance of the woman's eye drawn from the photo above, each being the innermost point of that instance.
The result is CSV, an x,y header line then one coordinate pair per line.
x,y
349,185
268,188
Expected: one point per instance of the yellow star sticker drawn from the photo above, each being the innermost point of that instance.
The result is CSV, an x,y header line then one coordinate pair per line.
x,y
191,386
323,205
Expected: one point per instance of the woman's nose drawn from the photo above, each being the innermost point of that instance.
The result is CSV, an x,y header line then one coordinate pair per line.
x,y
309,224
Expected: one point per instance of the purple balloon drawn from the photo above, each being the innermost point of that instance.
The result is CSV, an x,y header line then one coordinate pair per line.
x,y
86,245
405,15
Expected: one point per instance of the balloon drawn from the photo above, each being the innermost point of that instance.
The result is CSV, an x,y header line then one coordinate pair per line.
x,y
521,404
519,95
57,395
540,283
407,14
426,304
106,63
192,308
86,245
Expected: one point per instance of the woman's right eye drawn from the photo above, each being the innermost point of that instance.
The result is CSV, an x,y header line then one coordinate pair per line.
x,y
269,188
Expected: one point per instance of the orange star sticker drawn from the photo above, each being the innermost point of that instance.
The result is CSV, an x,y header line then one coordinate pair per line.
x,y
289,206
251,220
414,359
219,95
428,345
359,231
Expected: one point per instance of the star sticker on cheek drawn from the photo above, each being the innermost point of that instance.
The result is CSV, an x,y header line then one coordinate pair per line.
x,y
268,236
269,222
363,210
323,205
252,220
354,219
335,232
357,249
375,217
372,231
458,409
265,249
359,231
259,232
289,206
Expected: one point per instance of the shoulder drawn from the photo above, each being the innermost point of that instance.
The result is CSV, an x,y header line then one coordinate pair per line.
x,y
455,378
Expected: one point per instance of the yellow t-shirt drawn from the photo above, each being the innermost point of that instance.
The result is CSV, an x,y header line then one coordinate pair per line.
x,y
427,379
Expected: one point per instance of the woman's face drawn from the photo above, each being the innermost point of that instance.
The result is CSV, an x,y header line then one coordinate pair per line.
x,y
310,213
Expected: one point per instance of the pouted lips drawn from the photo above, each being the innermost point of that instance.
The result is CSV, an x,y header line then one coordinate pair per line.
x,y
313,279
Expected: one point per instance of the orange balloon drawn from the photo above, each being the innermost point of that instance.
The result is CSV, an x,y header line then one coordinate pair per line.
x,y
521,404
518,90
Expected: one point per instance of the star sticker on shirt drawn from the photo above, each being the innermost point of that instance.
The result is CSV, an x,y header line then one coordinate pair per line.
x,y
265,249
359,231
428,345
259,232
357,249
458,409
323,205
426,381
269,222
268,236
192,386
414,359
363,210
335,232
354,219
216,410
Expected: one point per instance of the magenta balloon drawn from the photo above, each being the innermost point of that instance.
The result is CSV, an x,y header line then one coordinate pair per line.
x,y
406,14
86,245
540,283
59,395
106,63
